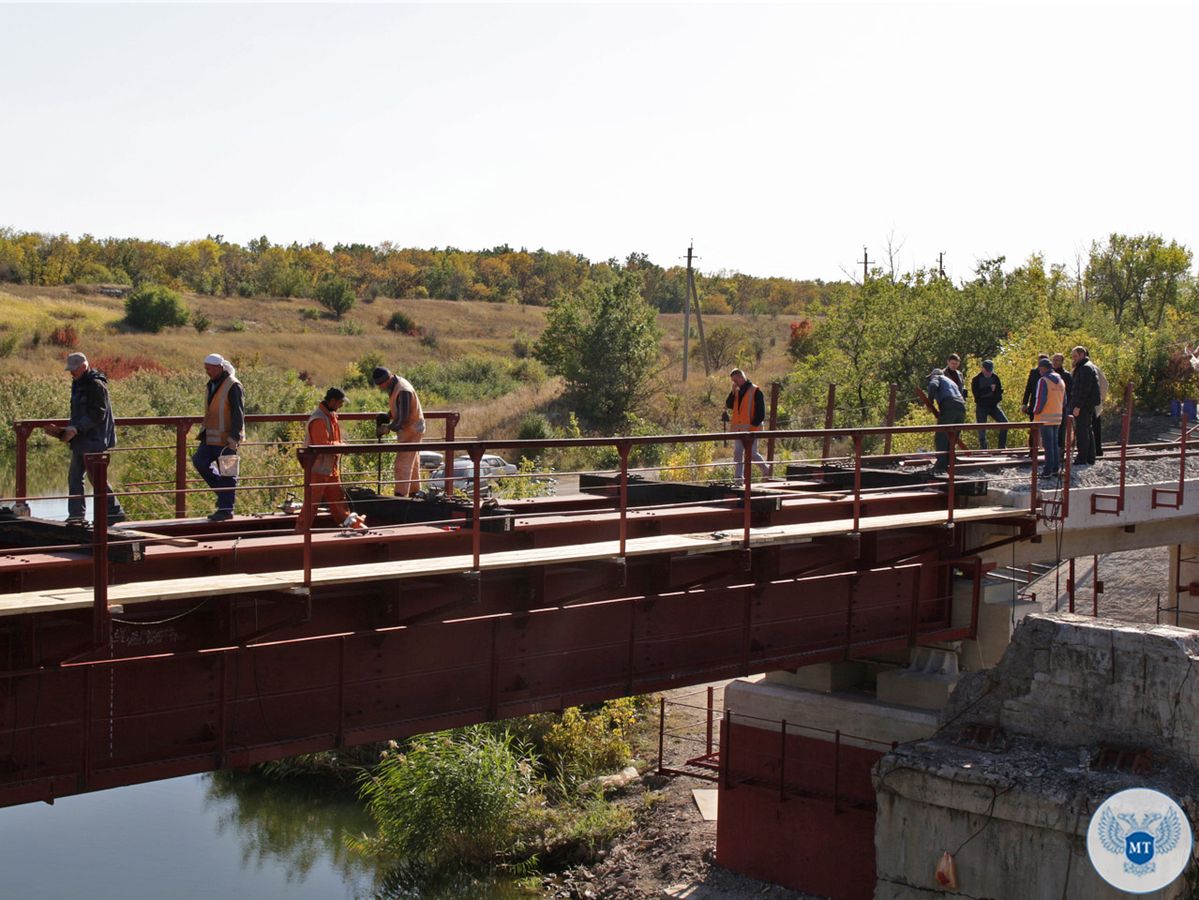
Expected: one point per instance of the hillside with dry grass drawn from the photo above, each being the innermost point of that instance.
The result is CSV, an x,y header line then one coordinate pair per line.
x,y
42,324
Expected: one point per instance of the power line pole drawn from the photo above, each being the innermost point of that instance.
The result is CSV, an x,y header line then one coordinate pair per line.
x,y
687,318
941,263
699,312
865,261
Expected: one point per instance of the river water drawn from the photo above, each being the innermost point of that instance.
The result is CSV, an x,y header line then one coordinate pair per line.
x,y
200,837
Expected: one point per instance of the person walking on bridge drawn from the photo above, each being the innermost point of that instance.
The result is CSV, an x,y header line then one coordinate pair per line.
x,y
91,430
747,409
220,438
951,410
407,420
323,428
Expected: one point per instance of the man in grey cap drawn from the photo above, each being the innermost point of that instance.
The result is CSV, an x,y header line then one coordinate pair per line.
x,y
988,392
91,430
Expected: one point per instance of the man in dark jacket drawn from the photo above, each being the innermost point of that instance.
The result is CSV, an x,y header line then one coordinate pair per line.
x,y
1030,386
988,393
91,430
1084,397
953,370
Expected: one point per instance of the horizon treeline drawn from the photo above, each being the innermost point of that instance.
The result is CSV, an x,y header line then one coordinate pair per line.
x,y
260,268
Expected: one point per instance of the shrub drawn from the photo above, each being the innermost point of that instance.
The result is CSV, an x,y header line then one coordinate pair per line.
x,y
453,798
64,336
118,367
201,322
430,339
8,344
153,307
336,295
350,328
237,325
401,322
420,292
521,345
310,314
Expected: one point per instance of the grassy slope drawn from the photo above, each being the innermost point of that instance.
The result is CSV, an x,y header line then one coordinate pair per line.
x,y
276,332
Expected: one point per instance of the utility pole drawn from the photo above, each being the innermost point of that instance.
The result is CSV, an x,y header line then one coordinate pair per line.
x,y
865,261
941,263
699,312
687,318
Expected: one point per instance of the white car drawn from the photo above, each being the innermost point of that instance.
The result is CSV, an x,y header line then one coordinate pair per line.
x,y
431,459
464,477
497,465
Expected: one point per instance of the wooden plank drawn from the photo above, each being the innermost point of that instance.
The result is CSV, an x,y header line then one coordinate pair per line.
x,y
243,583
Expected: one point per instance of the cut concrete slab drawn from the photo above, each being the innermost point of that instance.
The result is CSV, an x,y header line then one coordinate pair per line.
x,y
706,800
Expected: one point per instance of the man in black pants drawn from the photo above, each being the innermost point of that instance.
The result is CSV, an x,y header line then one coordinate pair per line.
x,y
1084,397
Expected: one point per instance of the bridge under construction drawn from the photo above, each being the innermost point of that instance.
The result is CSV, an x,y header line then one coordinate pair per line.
x,y
174,646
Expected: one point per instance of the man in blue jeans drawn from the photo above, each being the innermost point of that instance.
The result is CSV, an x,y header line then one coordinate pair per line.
x,y
951,410
222,434
1048,404
988,392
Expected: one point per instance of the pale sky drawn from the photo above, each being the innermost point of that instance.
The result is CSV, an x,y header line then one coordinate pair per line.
x,y
781,138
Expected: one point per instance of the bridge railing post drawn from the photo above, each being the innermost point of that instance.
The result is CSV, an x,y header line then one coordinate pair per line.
x,y
775,387
451,424
476,530
97,464
1033,435
953,456
308,513
747,475
830,409
181,431
890,423
857,481
622,450
22,432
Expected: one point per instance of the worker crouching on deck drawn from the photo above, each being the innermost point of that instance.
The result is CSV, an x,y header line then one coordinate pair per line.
x,y
407,420
323,428
224,430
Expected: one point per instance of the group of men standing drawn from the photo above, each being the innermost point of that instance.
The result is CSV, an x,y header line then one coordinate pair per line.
x,y
91,429
1051,395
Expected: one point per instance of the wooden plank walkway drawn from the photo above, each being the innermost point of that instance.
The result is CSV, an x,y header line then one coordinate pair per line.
x,y
247,583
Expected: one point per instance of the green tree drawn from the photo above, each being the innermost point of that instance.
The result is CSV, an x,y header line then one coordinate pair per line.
x,y
603,339
336,295
1137,277
153,307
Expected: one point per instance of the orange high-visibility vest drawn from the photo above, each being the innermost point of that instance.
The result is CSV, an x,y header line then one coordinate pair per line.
x,y
415,413
218,417
743,408
323,428
1055,401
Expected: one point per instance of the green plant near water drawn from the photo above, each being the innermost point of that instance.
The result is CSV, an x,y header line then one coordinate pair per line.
x,y
452,799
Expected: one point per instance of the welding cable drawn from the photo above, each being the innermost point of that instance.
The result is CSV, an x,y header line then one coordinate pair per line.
x,y
181,615
995,795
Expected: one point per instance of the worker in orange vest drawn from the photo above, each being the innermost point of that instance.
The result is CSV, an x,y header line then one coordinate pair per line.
x,y
222,434
407,420
323,428
1048,406
747,407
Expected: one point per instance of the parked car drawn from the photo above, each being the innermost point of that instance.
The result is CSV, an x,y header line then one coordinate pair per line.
x,y
497,465
464,477
431,459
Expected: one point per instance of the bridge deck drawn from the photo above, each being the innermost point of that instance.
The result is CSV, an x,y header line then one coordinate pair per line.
x,y
243,583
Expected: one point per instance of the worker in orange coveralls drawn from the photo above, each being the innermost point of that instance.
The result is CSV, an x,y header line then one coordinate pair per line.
x,y
323,428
